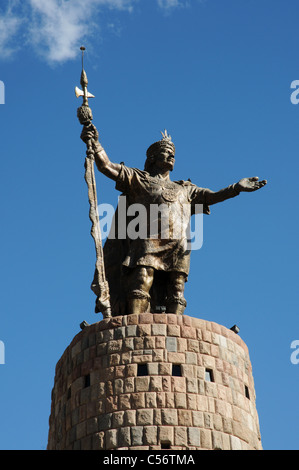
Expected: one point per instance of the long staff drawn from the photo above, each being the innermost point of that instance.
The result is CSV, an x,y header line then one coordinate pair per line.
x,y
100,285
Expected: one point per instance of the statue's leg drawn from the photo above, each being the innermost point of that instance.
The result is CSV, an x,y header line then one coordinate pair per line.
x,y
176,303
138,298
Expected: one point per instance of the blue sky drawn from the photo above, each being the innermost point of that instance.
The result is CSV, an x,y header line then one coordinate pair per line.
x,y
217,75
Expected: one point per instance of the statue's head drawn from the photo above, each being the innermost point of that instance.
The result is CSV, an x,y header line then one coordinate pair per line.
x,y
161,154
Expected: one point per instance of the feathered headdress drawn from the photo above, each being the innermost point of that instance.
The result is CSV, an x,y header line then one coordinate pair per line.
x,y
164,142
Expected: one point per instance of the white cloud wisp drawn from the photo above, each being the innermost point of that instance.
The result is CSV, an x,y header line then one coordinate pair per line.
x,y
55,28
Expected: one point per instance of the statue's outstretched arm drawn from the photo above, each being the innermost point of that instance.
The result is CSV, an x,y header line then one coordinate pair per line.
x,y
244,185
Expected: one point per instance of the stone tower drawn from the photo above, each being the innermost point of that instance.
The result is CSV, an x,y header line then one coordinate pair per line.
x,y
154,381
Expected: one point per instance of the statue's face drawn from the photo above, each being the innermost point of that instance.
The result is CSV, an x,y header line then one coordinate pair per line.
x,y
165,159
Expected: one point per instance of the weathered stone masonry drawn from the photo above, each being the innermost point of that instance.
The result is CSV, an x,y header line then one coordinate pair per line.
x,y
154,381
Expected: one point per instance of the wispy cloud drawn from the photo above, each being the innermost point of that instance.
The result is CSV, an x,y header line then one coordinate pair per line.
x,y
55,28
58,26
10,24
169,3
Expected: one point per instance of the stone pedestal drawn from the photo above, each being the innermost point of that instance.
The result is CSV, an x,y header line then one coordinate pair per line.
x,y
154,381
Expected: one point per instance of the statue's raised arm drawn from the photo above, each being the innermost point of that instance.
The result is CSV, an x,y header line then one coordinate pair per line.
x,y
102,161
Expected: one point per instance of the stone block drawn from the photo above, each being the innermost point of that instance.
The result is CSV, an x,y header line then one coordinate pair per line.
x,y
138,343
176,357
157,416
236,443
111,404
208,420
186,321
178,384
169,417
217,441
142,384
180,400
130,417
118,386
184,417
151,400
153,368
136,435
143,330
160,397
217,422
145,318
166,434
120,372
149,342
166,383
144,417
124,437
118,419
137,400
129,385
194,436
98,441
114,322
180,436
132,319
172,319
128,344
169,400
111,438
204,348
124,402
159,355
191,401
150,435
165,368
188,332
160,318
158,329
131,330
191,385
171,343
120,333
156,384
193,345
173,330
142,358
181,345
197,419
206,439
131,370
191,357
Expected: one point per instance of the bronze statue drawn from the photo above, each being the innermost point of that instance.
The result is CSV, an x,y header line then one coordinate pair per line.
x,y
148,274
144,274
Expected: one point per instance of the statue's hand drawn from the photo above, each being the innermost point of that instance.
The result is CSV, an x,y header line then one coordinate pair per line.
x,y
90,133
250,184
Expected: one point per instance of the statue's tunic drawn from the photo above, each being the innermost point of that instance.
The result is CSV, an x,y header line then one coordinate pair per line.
x,y
164,251
162,241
